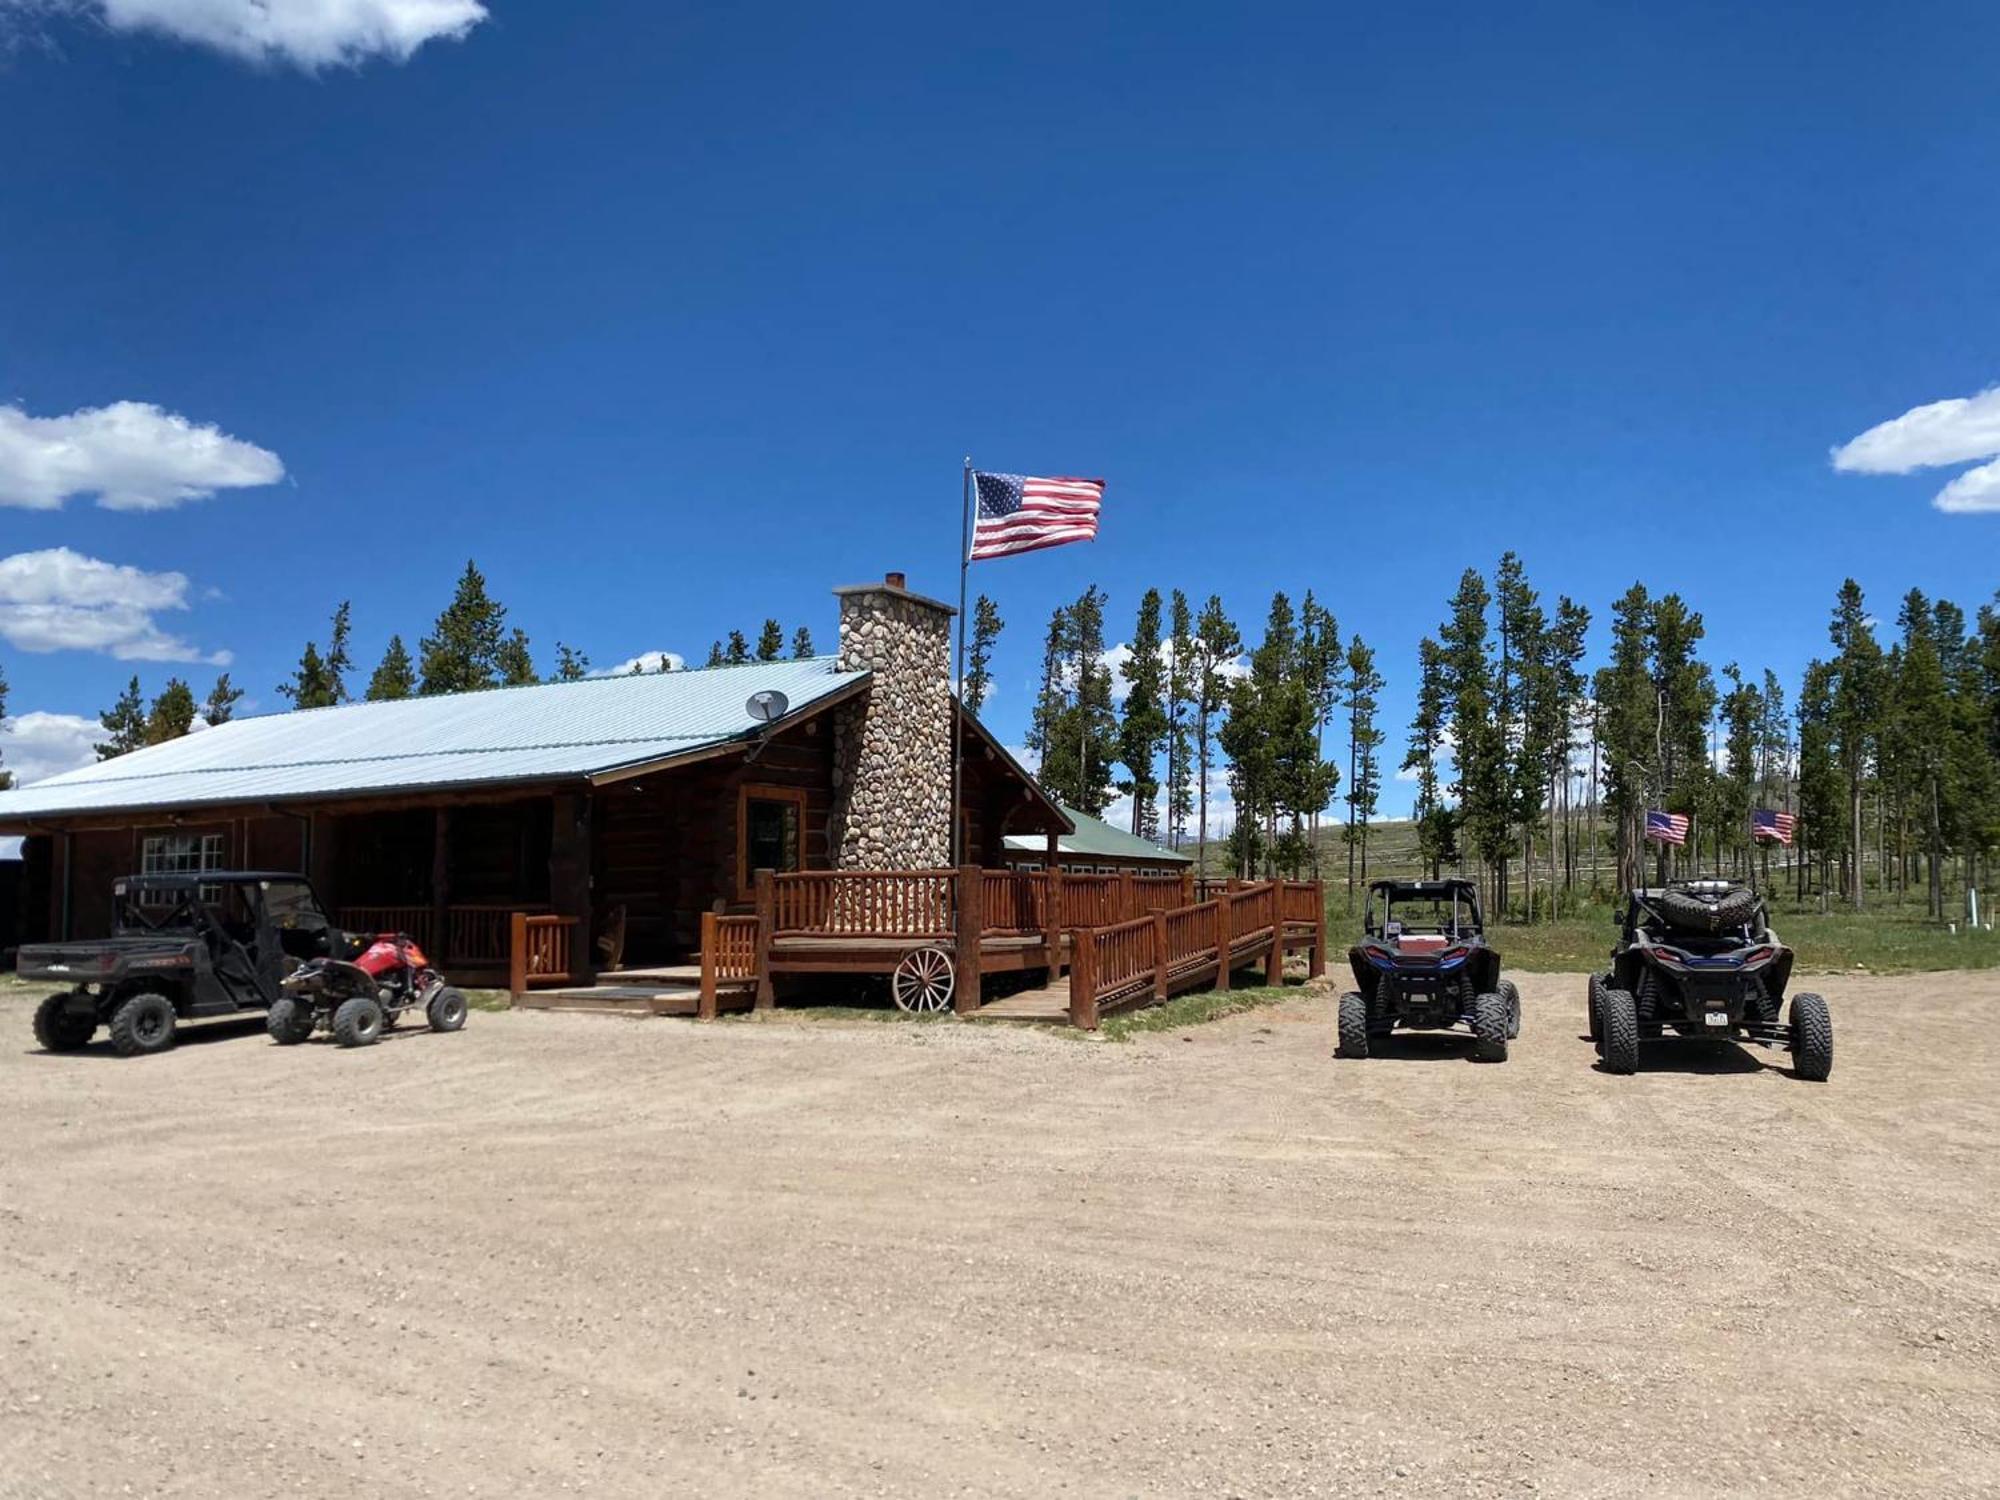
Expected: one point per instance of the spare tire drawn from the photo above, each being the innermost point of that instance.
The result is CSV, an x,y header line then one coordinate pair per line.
x,y
1691,913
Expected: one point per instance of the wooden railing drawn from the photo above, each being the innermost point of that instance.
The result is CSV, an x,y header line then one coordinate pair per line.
x,y
863,903
474,937
1301,901
731,956
1012,902
541,952
1156,954
415,921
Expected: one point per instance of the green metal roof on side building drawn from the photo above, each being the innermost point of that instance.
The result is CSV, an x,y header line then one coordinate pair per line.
x,y
1096,839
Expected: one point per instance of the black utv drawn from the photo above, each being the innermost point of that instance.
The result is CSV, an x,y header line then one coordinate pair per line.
x,y
1697,959
182,947
1423,964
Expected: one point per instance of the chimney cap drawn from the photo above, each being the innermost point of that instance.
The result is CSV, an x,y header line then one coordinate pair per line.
x,y
892,583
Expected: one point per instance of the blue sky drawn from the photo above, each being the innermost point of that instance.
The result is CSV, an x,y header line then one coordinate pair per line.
x,y
677,316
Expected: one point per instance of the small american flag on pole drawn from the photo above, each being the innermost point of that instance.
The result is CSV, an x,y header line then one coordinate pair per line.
x,y
1017,513
1768,827
1667,828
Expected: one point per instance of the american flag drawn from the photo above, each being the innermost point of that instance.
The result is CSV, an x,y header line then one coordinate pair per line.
x,y
1020,514
1667,828
1768,827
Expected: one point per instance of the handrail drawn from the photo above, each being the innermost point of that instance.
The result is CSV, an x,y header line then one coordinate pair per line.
x,y
541,951
729,956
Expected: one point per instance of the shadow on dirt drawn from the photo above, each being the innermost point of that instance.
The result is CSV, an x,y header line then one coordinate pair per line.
x,y
1701,1058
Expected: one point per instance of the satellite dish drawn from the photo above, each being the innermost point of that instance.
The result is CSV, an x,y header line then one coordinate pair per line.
x,y
767,705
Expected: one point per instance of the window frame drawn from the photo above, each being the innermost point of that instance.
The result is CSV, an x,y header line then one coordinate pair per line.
x,y
210,852
750,792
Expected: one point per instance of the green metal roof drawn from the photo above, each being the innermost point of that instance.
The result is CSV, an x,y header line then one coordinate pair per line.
x,y
1098,839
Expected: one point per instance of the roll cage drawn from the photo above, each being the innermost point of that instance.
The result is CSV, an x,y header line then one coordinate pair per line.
x,y
1453,909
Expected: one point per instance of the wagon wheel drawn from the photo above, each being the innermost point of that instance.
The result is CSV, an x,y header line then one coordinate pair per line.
x,y
923,981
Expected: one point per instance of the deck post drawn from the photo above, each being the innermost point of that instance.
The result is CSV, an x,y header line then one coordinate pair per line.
x,y
705,1007
1052,920
517,955
1083,978
1221,907
1159,953
968,927
1318,970
767,914
1187,885
1274,961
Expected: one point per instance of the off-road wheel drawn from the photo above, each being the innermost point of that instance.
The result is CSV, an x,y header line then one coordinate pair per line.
x,y
446,1010
1489,1027
1353,1026
1618,1016
1812,1038
1598,986
1511,993
358,1022
142,1024
59,1029
289,1022
1692,914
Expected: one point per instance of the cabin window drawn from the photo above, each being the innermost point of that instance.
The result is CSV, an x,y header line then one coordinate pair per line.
x,y
180,854
770,829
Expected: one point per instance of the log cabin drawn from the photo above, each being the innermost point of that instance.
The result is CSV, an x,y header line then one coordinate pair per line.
x,y
631,805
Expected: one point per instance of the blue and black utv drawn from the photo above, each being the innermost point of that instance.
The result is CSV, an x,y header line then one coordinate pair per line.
x,y
1423,964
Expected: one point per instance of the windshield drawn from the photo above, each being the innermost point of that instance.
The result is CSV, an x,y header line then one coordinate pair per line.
x,y
291,904
157,908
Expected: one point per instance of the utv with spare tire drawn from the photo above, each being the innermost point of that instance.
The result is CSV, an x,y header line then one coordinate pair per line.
x,y
182,947
1697,960
1423,964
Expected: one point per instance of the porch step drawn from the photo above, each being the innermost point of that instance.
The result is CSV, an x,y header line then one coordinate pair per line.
x,y
1048,1005
636,1001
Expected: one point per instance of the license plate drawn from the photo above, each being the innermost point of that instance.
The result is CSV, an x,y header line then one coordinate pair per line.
x,y
1716,1018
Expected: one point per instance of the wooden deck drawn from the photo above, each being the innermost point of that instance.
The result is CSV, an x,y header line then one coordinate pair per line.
x,y
1123,941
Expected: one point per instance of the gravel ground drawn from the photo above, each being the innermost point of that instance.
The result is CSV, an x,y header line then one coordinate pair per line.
x,y
556,1255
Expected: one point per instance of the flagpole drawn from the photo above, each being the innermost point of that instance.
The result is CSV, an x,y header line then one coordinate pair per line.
x,y
958,672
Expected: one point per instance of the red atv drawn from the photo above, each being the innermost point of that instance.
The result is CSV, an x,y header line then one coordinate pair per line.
x,y
359,998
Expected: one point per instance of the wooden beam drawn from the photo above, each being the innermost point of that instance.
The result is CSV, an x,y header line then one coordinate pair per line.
x,y
767,923
967,931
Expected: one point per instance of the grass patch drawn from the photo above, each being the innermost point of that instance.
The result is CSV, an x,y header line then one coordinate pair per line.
x,y
1191,1010
488,999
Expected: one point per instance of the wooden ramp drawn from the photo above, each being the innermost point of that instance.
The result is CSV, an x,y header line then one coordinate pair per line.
x,y
1048,1005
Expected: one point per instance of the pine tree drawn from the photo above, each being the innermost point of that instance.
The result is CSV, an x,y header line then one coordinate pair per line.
x,y
1918,736
124,723
1217,646
986,628
802,644
395,677
172,714
1093,736
571,664
462,653
1480,781
1181,692
1437,842
1363,685
1276,773
219,707
1686,699
715,656
1855,722
1628,712
1819,782
1568,640
1743,717
1144,728
771,642
320,679
739,649
513,662
1320,665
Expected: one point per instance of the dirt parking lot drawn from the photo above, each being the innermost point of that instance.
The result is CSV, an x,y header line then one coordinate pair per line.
x,y
558,1255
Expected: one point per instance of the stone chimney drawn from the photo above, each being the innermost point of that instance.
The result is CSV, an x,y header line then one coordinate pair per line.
x,y
892,745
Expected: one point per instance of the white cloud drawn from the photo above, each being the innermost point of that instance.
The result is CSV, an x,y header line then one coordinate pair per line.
x,y
1974,490
310,34
1944,432
130,454
59,600
646,661
36,745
